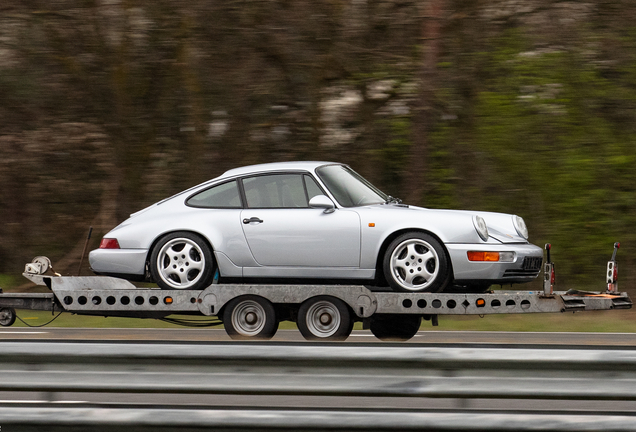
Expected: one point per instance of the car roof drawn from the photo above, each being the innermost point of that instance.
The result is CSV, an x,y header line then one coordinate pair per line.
x,y
275,166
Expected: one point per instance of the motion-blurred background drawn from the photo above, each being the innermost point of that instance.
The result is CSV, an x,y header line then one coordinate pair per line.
x,y
526,107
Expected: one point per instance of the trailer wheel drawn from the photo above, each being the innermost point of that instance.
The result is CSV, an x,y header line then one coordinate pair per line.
x,y
395,327
7,317
324,318
182,260
416,262
250,317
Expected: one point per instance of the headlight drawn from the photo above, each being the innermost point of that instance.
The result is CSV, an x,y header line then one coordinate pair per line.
x,y
520,226
480,226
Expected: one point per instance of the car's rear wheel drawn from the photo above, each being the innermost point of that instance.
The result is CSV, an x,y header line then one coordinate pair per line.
x,y
395,327
416,262
324,318
182,260
250,317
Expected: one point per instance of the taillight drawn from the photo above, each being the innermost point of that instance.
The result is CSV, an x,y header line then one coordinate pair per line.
x,y
109,243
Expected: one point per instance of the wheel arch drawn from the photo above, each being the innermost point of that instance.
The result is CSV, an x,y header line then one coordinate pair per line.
x,y
379,268
163,234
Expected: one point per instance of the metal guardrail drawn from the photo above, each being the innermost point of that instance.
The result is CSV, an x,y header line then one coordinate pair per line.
x,y
328,370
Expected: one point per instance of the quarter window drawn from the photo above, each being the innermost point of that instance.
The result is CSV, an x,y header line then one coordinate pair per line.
x,y
225,195
312,188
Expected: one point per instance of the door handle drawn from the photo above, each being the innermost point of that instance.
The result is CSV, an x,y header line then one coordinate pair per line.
x,y
252,219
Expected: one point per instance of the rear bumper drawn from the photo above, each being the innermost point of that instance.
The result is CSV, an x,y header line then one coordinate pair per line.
x,y
118,261
496,272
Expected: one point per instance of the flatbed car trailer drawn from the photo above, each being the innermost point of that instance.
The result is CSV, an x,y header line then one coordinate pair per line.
x,y
322,312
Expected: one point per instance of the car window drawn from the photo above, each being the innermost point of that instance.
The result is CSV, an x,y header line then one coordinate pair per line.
x,y
312,188
275,191
225,195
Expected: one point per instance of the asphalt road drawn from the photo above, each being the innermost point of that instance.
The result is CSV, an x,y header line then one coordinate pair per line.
x,y
625,340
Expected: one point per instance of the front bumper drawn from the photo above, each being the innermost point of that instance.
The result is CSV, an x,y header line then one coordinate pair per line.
x,y
466,271
118,261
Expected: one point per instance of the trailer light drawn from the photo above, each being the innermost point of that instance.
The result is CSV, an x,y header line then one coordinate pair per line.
x,y
483,256
109,243
481,302
167,300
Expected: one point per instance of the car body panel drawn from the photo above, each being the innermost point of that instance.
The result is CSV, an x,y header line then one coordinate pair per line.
x,y
303,237
119,261
492,272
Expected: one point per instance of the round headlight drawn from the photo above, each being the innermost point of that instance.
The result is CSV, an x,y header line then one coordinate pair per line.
x,y
480,226
520,226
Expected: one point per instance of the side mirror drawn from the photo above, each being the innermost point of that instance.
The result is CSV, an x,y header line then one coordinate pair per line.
x,y
322,202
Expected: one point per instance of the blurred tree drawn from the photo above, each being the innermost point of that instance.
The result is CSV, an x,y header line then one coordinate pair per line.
x,y
519,107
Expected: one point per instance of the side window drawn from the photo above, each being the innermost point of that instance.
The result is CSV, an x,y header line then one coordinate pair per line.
x,y
275,191
225,195
312,187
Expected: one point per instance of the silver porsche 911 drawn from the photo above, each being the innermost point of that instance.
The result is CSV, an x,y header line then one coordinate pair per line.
x,y
313,221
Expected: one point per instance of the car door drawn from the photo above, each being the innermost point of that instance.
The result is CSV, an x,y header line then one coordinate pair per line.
x,y
281,229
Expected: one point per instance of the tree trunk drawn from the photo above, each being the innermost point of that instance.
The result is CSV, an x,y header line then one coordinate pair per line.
x,y
414,177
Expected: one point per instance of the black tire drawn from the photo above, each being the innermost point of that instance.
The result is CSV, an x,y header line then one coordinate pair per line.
x,y
395,327
250,317
182,260
324,318
7,317
416,262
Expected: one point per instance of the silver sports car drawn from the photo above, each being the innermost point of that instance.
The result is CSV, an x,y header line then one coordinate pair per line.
x,y
313,221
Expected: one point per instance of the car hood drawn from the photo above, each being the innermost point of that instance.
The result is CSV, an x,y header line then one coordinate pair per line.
x,y
500,225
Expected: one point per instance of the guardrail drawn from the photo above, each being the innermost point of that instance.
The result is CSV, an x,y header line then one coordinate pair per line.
x,y
326,370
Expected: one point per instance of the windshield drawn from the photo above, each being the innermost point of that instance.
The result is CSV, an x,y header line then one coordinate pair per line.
x,y
348,187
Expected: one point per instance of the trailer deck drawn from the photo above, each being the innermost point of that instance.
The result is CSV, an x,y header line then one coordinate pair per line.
x,y
321,311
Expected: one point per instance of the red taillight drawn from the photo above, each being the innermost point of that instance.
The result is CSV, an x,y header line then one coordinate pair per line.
x,y
109,243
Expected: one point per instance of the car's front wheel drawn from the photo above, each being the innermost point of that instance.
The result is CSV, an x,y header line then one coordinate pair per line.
x,y
416,262
182,260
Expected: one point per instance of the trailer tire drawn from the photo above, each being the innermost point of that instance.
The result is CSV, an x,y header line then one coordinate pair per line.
x,y
416,262
7,317
250,317
324,318
395,327
182,260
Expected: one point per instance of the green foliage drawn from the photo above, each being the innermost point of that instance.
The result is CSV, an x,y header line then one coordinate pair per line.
x,y
546,141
